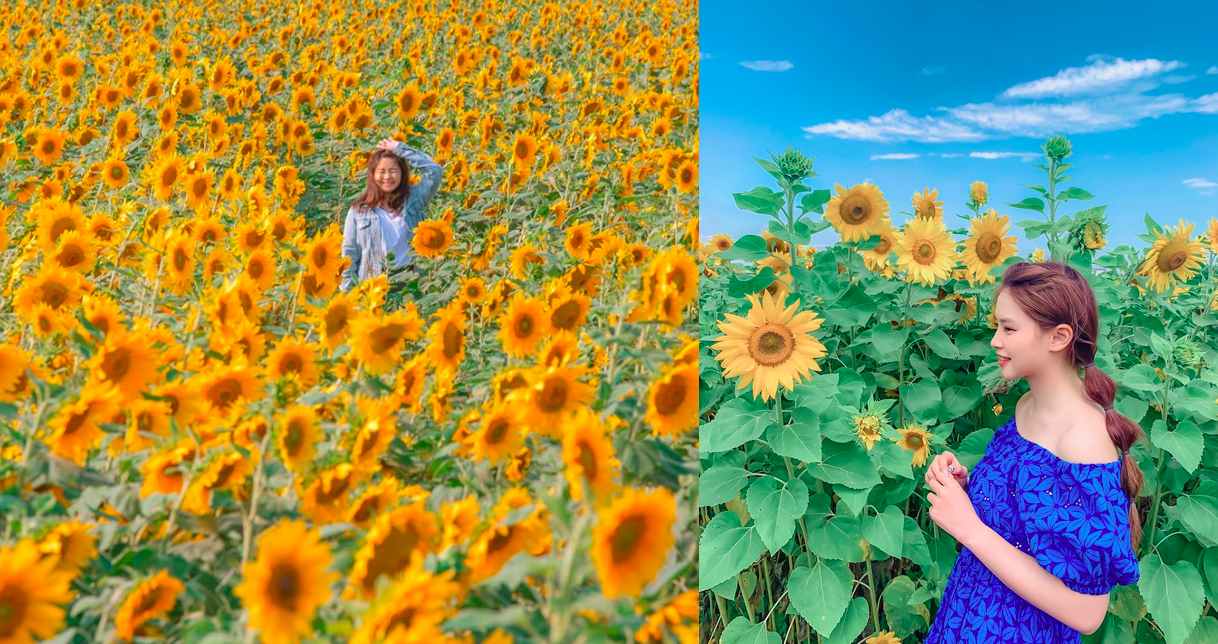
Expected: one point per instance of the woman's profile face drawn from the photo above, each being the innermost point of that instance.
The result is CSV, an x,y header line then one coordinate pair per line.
x,y
387,174
1022,347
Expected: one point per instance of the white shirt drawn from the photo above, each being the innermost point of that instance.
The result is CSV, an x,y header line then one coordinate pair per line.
x,y
397,237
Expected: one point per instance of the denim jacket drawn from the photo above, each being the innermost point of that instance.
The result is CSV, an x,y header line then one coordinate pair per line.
x,y
362,227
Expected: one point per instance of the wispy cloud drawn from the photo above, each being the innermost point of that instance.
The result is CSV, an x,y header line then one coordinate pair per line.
x,y
932,71
1212,70
1105,95
1023,156
703,55
1101,75
951,155
1199,183
767,65
893,157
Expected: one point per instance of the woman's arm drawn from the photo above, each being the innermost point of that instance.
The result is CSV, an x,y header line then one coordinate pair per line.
x,y
430,176
1023,574
351,251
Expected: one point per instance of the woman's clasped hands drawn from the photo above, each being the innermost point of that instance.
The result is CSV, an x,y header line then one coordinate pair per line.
x,y
950,507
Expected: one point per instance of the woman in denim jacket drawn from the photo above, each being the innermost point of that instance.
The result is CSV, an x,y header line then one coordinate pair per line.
x,y
380,223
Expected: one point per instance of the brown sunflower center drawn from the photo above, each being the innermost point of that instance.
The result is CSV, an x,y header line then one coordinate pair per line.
x,y
924,252
1172,261
293,437
224,392
587,460
284,585
291,363
384,338
988,248
336,320
915,441
670,396
553,395
524,326
626,538
771,344
393,554
116,364
566,315
496,431
855,209
452,341
54,294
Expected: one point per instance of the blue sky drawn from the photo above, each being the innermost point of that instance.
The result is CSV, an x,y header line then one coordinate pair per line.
x,y
971,89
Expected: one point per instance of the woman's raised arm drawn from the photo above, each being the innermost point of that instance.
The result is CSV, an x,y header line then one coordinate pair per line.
x,y
430,176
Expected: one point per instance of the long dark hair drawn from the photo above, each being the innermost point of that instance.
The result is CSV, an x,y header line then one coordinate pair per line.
x,y
373,195
1053,293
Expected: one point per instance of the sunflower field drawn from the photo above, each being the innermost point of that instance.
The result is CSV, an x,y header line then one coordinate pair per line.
x,y
831,377
206,441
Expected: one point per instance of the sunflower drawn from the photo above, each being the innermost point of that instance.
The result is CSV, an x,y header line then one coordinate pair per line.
x,y
198,189
687,177
499,543
925,251
48,145
926,204
373,438
561,349
54,218
408,386
71,545
377,341
32,594
411,609
228,470
524,255
459,519
986,247
149,600
523,325
148,421
374,502
1173,257
884,637
325,500
125,128
13,362
408,102
260,268
179,270
166,174
722,242
115,173
588,456
632,540
293,358
568,310
298,434
579,236
446,345
164,472
335,319
524,151
552,395
672,401
499,434
917,440
323,257
877,258
857,213
75,429
432,238
287,583
225,387
979,193
771,346
126,360
393,539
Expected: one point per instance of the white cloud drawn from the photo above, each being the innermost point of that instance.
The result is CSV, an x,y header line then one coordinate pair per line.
x,y
767,65
951,155
1212,70
1103,74
893,157
1199,183
932,71
1207,104
1023,156
897,125
703,55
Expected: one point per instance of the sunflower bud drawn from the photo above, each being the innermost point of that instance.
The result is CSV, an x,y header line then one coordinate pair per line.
x,y
1057,147
794,165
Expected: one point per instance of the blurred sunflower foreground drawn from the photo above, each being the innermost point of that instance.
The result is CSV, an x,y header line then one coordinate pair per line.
x,y
204,440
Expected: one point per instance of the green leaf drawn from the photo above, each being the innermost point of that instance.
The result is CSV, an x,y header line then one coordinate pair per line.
x,y
1141,377
1185,444
851,624
1034,228
721,484
740,288
821,594
1174,595
815,201
742,631
770,167
760,199
775,508
904,618
734,425
1073,193
801,236
886,530
834,537
1031,203
800,440
750,248
1151,224
725,548
942,345
887,340
959,400
915,548
922,399
846,464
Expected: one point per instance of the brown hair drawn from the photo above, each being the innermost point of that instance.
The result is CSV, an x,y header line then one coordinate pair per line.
x,y
1053,293
373,195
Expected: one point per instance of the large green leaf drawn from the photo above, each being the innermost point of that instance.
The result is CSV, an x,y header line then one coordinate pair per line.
x,y
851,624
1073,193
800,440
755,284
775,507
845,463
815,201
1174,596
915,548
886,530
760,199
734,425
959,400
750,248
1031,203
922,399
742,631
1199,511
821,593
721,484
904,618
725,548
1185,444
837,537
801,236
941,344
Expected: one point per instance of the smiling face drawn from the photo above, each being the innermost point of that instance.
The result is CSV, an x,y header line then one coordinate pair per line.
x,y
1022,346
387,175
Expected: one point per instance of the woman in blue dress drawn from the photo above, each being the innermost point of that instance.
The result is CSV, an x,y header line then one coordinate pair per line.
x,y
1045,519
380,223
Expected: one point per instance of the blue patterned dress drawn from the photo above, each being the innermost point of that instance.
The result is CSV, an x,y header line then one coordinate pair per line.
x,y
1073,517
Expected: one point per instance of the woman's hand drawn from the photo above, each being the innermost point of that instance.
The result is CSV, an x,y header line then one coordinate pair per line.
x,y
947,462
950,507
387,144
